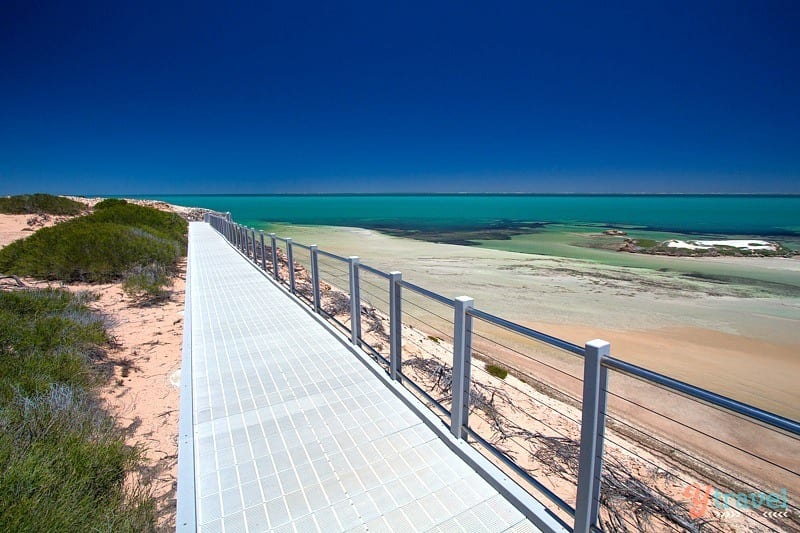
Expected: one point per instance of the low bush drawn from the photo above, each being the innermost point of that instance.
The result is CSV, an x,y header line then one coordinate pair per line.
x,y
27,204
46,336
497,371
99,247
149,219
147,283
63,463
110,202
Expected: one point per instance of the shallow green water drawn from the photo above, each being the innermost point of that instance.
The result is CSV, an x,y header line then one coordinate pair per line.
x,y
707,215
559,225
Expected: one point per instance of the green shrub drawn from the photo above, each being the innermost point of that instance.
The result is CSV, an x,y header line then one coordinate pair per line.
x,y
497,371
26,204
46,336
110,202
150,219
99,247
64,465
63,462
147,283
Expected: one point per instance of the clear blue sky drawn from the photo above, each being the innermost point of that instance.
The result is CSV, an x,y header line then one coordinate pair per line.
x,y
216,97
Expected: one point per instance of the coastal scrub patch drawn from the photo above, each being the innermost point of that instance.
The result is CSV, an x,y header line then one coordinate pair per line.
x,y
46,336
63,461
110,202
147,283
99,247
29,204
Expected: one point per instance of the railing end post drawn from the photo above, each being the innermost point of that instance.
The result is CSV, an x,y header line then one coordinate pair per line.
x,y
355,299
462,363
313,251
592,434
395,325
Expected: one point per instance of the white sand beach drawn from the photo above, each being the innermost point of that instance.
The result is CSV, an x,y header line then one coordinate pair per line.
x,y
752,245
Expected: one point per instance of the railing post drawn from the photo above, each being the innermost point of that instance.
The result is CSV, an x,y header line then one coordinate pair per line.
x,y
462,361
395,326
253,243
355,300
274,258
315,277
245,238
592,432
263,251
290,262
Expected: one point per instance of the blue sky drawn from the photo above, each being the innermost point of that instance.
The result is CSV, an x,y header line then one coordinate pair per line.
x,y
218,97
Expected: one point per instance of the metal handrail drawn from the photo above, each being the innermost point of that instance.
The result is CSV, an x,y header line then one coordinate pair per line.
x,y
374,271
705,396
425,292
528,332
332,256
597,362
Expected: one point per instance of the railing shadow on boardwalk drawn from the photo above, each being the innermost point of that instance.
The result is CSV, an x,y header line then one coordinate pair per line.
x,y
604,444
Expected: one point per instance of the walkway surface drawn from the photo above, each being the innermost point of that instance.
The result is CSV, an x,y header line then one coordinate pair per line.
x,y
293,432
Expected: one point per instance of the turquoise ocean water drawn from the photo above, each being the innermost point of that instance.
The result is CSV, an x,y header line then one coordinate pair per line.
x,y
717,214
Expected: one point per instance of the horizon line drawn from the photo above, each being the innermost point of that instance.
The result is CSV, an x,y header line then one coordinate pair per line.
x,y
445,194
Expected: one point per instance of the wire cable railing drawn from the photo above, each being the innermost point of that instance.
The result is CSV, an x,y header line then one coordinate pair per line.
x,y
630,454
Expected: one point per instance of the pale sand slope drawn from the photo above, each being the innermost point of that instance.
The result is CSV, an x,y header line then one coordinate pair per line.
x,y
13,227
705,333
143,394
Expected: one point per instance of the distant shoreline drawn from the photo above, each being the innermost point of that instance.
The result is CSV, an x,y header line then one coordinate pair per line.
x,y
460,194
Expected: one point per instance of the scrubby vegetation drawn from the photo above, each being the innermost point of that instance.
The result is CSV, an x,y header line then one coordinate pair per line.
x,y
30,204
110,202
147,283
103,246
497,371
63,463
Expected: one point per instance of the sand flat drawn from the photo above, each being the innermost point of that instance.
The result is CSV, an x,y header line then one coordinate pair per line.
x,y
736,340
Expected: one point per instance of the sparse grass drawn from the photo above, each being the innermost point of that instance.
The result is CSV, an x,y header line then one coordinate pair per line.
x,y
147,283
103,246
497,371
63,462
46,336
28,204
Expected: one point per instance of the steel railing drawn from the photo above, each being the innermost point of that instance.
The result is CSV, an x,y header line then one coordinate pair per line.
x,y
588,399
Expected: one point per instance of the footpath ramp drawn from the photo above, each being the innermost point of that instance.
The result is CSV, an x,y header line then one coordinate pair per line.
x,y
289,429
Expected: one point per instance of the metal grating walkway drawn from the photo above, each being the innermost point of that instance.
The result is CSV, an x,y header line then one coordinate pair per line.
x,y
292,432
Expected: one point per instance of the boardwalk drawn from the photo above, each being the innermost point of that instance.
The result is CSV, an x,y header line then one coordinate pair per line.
x,y
291,431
